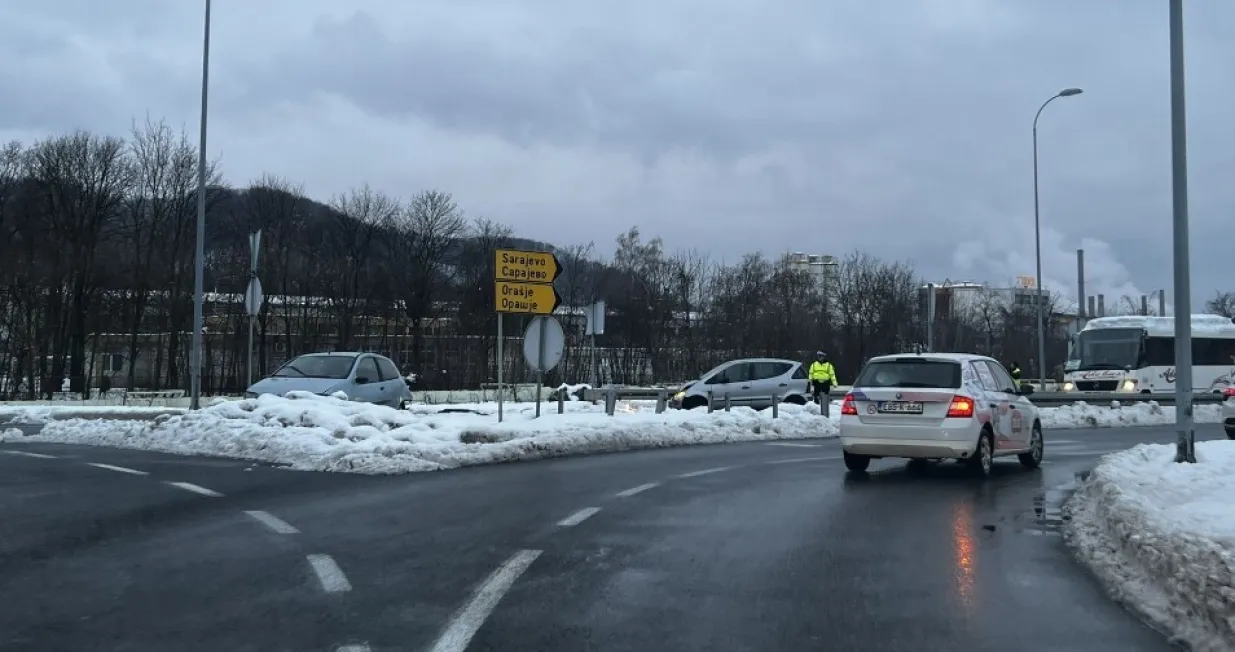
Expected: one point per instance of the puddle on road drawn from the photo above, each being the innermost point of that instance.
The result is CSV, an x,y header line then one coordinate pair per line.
x,y
1046,518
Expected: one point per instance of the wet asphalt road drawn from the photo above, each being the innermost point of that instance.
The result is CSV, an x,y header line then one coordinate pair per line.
x,y
732,547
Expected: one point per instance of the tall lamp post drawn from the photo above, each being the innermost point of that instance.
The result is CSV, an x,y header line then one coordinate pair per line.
x,y
1185,443
195,362
1037,233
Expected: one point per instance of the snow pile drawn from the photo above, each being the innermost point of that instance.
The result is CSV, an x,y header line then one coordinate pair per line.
x,y
48,413
1161,535
321,433
1149,413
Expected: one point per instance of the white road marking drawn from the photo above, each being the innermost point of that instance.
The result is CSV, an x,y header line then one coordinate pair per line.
x,y
695,474
355,647
777,443
464,625
273,522
41,456
329,574
121,469
805,459
578,517
637,490
196,489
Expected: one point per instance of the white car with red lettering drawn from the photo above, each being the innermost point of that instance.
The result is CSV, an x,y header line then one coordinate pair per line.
x,y
933,406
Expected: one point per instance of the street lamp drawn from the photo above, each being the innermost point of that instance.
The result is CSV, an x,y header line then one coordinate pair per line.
x,y
1037,232
195,360
1185,442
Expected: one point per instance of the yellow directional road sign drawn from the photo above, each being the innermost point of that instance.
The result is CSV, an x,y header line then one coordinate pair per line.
x,y
526,266
526,298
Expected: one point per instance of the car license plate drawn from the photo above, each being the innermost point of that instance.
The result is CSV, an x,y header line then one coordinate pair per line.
x,y
900,407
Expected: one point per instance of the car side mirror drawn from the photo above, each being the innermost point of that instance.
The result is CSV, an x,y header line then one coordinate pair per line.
x,y
1026,390
362,380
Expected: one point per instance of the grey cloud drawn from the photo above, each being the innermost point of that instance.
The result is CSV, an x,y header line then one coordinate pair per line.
x,y
900,127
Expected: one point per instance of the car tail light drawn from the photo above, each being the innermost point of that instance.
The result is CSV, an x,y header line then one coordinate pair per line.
x,y
848,407
961,408
1229,392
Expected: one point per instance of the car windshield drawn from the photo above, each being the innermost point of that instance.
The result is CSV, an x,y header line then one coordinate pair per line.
x,y
317,366
910,372
1107,348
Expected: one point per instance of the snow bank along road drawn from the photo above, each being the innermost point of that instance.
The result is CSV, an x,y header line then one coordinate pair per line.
x,y
749,546
1162,536
317,433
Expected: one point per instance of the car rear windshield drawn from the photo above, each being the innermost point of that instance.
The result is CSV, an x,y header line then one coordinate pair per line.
x,y
911,372
318,366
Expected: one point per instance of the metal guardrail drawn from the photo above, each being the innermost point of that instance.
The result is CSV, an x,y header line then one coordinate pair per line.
x,y
1055,399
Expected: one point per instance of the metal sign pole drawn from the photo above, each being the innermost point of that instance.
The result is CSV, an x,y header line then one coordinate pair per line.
x,y
1185,445
499,367
540,360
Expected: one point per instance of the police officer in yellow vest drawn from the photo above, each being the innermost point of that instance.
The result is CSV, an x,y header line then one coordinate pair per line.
x,y
1015,370
822,376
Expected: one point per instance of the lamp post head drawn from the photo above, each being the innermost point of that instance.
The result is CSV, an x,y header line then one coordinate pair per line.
x,y
1068,92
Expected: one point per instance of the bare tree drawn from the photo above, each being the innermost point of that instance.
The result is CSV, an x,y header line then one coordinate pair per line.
x,y
352,232
424,235
1223,304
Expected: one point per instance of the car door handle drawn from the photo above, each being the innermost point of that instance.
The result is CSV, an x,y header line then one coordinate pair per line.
x,y
745,386
994,405
784,384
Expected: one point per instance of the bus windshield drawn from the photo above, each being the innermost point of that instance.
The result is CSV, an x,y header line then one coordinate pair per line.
x,y
1107,348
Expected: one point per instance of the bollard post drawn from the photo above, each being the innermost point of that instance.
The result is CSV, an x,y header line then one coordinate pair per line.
x,y
561,401
825,405
610,401
775,406
660,401
726,401
711,408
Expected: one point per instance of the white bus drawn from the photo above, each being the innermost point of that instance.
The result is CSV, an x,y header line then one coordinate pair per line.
x,y
1137,354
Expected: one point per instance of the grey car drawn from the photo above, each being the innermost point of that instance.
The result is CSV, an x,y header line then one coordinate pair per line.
x,y
363,377
750,382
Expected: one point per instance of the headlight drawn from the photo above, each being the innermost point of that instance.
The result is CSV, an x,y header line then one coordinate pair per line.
x,y
1069,386
1128,385
679,396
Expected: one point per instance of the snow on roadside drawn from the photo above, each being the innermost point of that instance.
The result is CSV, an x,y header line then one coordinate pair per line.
x,y
320,433
1161,536
1118,415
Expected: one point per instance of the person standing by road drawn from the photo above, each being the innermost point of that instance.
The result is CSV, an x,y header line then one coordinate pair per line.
x,y
1015,370
822,376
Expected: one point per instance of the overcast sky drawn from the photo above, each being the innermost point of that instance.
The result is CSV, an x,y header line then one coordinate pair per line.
x,y
899,127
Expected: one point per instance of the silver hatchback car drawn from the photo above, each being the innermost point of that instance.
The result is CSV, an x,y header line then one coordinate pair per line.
x,y
751,382
363,377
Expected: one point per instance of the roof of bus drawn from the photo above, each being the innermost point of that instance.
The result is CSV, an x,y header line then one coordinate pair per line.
x,y
1206,325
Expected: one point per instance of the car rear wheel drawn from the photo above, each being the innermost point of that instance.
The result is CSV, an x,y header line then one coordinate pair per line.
x,y
1230,432
796,399
983,456
857,463
1033,459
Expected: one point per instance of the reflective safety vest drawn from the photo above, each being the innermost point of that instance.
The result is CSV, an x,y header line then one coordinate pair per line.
x,y
1016,373
822,372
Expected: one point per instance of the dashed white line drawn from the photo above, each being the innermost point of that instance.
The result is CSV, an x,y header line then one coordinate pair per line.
x,y
120,469
578,517
196,489
695,474
778,443
464,625
273,522
41,456
329,574
805,459
637,490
